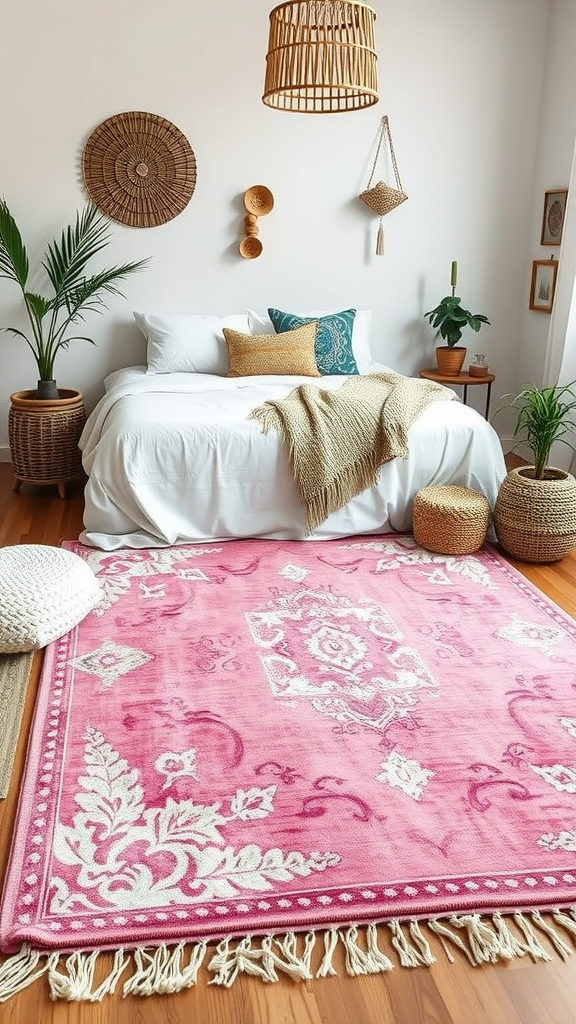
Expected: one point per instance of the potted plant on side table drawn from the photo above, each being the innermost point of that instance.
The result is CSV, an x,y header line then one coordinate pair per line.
x,y
45,423
535,511
449,318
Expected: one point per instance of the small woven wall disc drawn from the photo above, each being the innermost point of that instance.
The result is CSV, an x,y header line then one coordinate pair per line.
x,y
139,169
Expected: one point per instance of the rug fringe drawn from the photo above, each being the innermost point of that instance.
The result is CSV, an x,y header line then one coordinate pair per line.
x,y
19,971
364,961
169,969
162,972
330,942
412,954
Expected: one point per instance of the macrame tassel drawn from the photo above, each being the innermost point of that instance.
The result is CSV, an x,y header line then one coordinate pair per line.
x,y
442,929
534,947
377,957
360,961
19,971
108,986
557,941
483,939
567,920
149,967
411,955
228,963
163,971
422,943
287,958
380,239
330,942
510,945
75,981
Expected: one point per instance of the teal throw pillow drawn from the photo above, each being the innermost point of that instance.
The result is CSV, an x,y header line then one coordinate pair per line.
x,y
333,348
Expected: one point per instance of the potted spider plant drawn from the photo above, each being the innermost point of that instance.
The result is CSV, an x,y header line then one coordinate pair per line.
x,y
45,423
535,511
449,318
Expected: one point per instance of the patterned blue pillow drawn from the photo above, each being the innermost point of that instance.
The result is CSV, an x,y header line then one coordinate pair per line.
x,y
333,349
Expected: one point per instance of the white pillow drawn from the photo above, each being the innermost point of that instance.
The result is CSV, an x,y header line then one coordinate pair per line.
x,y
260,323
188,342
44,592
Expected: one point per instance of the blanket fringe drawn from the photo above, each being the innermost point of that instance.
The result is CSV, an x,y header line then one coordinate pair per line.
x,y
170,969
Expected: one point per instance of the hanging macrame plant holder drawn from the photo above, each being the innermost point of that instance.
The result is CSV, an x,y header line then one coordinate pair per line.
x,y
381,198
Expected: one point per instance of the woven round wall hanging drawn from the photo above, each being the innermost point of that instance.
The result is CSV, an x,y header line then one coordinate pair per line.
x,y
139,169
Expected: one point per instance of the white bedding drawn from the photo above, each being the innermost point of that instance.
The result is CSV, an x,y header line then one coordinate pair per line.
x,y
173,458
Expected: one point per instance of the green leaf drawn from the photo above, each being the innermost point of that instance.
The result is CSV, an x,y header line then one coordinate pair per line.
x,y
544,416
74,293
13,256
38,304
449,318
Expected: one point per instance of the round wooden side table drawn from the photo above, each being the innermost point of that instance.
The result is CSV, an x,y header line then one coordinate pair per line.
x,y
464,380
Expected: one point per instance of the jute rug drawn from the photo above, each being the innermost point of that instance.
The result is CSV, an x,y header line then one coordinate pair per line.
x,y
14,675
252,752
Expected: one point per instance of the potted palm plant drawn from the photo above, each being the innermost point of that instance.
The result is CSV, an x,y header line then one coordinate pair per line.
x,y
53,320
449,318
535,511
45,423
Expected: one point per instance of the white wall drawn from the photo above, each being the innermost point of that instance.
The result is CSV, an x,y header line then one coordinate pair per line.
x,y
461,83
555,152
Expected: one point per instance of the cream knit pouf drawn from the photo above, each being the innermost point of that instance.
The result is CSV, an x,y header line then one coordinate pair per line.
x,y
44,592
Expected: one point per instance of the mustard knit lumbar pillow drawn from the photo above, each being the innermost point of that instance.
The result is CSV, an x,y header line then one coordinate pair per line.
x,y
256,354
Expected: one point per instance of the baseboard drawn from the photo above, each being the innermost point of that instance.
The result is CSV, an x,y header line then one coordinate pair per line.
x,y
4,453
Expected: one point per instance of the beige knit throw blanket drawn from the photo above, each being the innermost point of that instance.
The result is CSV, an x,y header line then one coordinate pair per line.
x,y
337,440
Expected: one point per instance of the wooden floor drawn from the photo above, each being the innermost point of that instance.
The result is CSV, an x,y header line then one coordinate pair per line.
x,y
520,992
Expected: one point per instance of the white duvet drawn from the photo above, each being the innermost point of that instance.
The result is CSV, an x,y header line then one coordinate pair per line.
x,y
173,458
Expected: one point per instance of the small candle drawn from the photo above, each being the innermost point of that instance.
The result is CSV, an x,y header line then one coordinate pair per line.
x,y
454,274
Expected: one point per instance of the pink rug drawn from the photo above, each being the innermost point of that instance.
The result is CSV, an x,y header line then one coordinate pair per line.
x,y
260,737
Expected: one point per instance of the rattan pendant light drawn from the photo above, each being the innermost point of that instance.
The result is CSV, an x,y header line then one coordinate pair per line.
x,y
321,57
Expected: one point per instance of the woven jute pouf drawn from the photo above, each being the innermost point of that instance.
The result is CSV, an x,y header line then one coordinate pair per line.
x,y
451,520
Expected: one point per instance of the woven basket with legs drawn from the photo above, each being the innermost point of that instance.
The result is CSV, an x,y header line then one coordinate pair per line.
x,y
451,520
43,437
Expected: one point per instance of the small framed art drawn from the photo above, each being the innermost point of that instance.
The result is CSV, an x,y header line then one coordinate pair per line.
x,y
553,216
543,285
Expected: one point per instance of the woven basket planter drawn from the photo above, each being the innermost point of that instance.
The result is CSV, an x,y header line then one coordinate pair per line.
x,y
450,360
535,520
43,437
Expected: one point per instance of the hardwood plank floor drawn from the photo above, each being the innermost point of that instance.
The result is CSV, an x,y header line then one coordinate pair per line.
x,y
520,992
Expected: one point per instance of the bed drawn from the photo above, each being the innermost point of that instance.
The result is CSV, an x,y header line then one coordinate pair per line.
x,y
174,458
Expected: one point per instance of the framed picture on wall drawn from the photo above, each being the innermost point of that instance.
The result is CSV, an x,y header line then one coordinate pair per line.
x,y
553,216
543,285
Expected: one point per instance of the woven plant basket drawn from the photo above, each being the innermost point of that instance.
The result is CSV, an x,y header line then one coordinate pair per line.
x,y
535,520
382,198
450,520
43,437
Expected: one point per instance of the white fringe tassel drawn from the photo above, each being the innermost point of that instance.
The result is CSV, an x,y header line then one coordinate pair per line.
x,y
19,971
161,971
164,969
